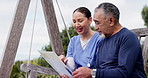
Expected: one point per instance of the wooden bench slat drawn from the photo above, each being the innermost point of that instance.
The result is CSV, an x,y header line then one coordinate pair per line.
x,y
39,69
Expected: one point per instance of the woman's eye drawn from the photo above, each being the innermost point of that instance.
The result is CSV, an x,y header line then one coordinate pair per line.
x,y
74,21
80,21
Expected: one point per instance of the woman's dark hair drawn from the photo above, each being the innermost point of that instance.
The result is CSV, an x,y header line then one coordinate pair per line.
x,y
84,11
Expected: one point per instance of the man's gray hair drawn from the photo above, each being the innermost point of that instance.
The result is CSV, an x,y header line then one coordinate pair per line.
x,y
109,9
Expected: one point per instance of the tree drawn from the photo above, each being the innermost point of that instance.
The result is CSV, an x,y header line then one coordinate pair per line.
x,y
145,15
64,38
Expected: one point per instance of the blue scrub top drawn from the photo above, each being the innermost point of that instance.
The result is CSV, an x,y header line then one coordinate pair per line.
x,y
81,56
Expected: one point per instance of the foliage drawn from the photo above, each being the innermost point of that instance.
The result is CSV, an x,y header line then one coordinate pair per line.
x,y
40,62
64,38
16,73
145,15
46,76
47,47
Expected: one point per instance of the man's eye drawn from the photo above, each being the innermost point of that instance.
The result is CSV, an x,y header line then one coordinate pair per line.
x,y
97,23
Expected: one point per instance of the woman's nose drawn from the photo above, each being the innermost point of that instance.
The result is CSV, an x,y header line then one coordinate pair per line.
x,y
77,24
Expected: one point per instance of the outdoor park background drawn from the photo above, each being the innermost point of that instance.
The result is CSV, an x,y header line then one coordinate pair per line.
x,y
130,17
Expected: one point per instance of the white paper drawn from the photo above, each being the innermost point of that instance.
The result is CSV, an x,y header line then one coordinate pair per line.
x,y
56,63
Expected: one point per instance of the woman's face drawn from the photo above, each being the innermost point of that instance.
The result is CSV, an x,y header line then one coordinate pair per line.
x,y
81,23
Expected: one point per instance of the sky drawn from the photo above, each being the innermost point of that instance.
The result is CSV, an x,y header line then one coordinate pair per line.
x,y
130,17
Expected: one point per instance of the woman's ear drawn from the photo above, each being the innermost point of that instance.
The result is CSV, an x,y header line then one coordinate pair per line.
x,y
90,19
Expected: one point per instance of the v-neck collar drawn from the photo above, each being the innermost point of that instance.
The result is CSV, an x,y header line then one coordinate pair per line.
x,y
90,41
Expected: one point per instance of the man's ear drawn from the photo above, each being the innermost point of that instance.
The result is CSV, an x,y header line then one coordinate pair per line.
x,y
112,21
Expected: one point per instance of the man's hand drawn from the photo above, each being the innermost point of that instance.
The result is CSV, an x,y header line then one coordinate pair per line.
x,y
63,58
82,72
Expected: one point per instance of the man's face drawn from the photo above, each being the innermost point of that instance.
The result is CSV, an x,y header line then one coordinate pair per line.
x,y
102,24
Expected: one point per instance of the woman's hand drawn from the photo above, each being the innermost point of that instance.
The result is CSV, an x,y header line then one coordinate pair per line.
x,y
63,58
64,76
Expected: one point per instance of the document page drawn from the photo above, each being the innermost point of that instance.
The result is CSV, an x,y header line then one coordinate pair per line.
x,y
56,63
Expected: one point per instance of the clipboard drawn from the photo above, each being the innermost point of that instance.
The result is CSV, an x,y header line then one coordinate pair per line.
x,y
56,63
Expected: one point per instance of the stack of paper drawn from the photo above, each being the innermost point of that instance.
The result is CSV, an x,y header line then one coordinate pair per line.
x,y
56,63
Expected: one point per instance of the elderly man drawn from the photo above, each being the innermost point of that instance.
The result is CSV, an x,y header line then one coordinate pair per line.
x,y
119,54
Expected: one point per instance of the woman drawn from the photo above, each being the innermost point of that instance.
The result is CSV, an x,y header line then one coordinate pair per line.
x,y
82,48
